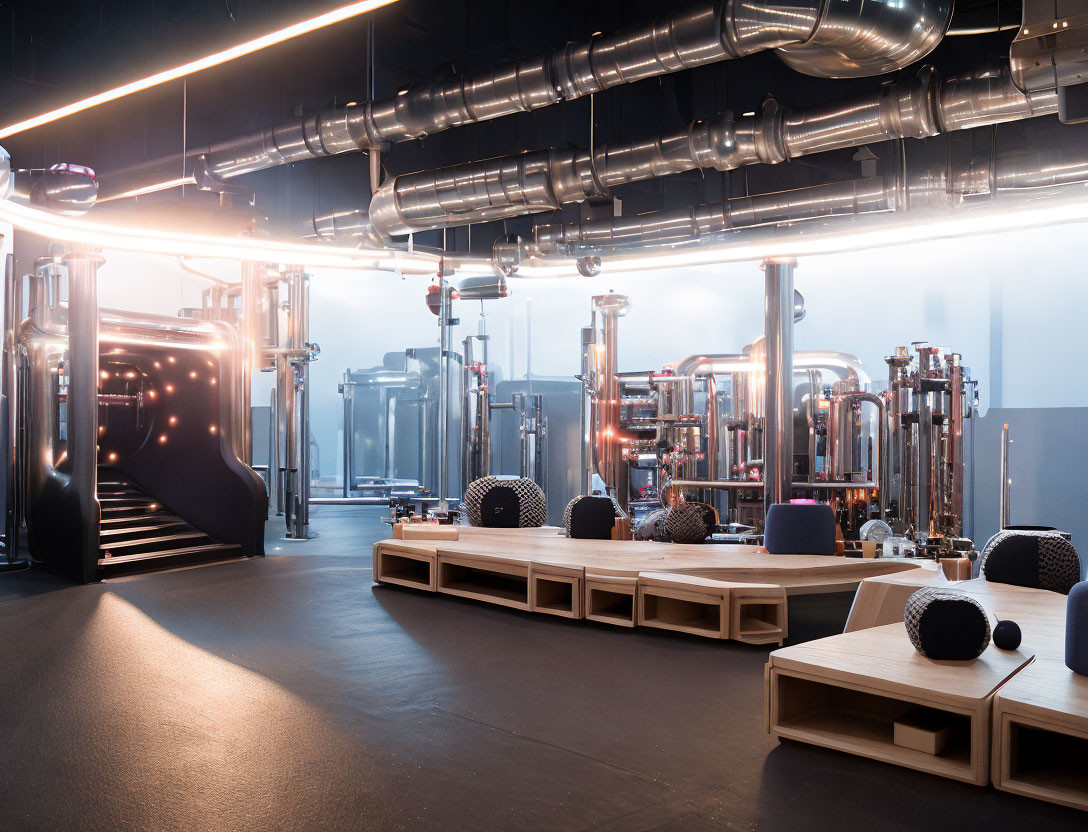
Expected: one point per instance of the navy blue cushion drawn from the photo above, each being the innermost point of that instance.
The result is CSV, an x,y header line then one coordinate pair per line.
x,y
800,529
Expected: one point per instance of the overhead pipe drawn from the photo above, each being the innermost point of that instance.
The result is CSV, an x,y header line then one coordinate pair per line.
x,y
977,180
546,180
825,38
843,364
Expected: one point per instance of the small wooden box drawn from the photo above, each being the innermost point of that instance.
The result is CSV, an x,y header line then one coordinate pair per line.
x,y
424,531
923,730
956,569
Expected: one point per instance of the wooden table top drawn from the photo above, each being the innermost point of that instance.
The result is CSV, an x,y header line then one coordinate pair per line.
x,y
884,659
718,561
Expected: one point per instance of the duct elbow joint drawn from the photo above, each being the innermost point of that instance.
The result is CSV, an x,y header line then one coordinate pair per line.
x,y
386,219
857,38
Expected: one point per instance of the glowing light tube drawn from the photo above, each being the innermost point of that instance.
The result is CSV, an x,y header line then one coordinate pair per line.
x,y
176,244
248,48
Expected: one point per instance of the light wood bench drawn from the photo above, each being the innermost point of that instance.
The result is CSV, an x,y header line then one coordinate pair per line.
x,y
752,613
1040,734
846,692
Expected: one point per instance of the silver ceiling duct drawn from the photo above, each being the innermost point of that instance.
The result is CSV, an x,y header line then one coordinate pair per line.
x,y
545,180
970,183
827,38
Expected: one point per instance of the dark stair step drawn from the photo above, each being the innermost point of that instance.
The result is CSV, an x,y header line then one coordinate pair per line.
x,y
131,511
113,534
128,500
148,545
121,564
128,521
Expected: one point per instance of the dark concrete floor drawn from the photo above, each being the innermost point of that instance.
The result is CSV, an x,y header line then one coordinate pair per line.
x,y
289,693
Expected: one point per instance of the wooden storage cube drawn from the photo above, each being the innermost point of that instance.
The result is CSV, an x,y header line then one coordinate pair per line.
x,y
758,614
404,569
685,612
610,600
491,581
557,595
863,722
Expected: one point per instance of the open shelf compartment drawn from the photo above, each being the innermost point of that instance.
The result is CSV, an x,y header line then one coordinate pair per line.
x,y
405,570
557,595
863,722
610,601
1045,763
685,612
495,582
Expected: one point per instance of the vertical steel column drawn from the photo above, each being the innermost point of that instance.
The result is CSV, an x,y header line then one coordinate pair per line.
x,y
778,339
587,409
10,383
924,461
302,312
273,455
443,391
284,414
609,461
251,350
83,398
348,389
1005,507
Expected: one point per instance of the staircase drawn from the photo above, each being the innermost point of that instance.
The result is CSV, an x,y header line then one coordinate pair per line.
x,y
138,532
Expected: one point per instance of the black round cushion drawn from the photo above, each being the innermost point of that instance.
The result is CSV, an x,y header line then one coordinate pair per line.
x,y
946,624
1007,635
505,503
1037,559
591,517
690,522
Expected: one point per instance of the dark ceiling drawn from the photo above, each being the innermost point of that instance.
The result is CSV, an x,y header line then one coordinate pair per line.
x,y
63,49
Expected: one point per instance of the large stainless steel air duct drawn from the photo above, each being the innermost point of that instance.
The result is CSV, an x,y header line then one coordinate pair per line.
x,y
545,180
996,175
827,38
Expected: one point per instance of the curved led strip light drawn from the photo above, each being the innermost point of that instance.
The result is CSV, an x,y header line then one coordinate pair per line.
x,y
240,50
968,222
176,244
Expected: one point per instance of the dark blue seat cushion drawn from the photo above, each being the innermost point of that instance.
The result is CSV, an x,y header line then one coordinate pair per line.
x,y
800,529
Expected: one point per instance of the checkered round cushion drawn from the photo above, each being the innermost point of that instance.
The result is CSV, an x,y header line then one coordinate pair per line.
x,y
505,503
1038,559
946,624
690,522
591,517
653,527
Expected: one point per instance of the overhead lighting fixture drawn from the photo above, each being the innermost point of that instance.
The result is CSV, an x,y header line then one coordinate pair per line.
x,y
241,50
179,244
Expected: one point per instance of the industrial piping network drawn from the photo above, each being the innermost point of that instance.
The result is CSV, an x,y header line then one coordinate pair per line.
x,y
827,38
546,180
902,465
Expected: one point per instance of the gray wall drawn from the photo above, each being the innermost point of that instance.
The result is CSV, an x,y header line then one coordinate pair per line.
x,y
1046,467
